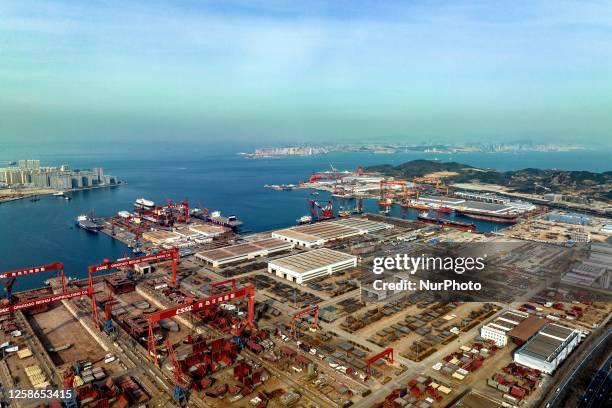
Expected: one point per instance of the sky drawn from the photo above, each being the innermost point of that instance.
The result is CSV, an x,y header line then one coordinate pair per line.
x,y
311,71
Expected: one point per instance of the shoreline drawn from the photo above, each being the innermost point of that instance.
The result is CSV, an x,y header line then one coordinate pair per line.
x,y
46,192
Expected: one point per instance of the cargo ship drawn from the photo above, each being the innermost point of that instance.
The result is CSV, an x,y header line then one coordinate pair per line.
x,y
142,204
231,221
506,218
463,226
87,223
416,205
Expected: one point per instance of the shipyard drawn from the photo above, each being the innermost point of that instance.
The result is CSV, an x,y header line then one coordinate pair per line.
x,y
203,314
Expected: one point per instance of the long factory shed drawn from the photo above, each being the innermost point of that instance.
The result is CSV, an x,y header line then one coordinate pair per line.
x,y
242,252
320,233
312,264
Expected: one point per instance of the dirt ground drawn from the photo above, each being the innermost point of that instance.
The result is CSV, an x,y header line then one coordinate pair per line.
x,y
56,327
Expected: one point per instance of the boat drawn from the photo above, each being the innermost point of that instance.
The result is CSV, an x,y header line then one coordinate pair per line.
x,y
445,222
58,193
34,199
416,205
144,204
231,221
506,218
67,198
87,223
443,210
305,219
344,213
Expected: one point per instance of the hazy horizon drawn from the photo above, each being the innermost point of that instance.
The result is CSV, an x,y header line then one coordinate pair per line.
x,y
276,72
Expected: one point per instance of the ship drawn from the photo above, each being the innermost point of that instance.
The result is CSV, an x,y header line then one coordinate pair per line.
x,y
416,205
231,221
142,204
305,219
506,218
344,213
58,193
444,222
87,223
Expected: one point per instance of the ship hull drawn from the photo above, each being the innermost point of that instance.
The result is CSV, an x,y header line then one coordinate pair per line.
x,y
500,218
468,227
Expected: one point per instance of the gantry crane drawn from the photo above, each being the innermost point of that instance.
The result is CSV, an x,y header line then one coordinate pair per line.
x,y
387,354
172,254
12,275
439,185
247,291
310,310
30,303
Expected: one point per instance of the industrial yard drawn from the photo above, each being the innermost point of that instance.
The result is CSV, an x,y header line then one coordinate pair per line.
x,y
204,315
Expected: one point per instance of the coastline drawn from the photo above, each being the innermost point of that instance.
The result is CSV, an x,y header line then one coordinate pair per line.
x,y
45,192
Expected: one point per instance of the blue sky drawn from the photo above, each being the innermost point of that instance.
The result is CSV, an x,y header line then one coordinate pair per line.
x,y
281,71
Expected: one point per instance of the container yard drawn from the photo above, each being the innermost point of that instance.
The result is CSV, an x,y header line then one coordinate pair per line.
x,y
202,315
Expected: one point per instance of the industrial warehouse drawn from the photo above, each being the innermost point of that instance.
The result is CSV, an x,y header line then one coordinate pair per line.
x,y
316,235
242,252
310,265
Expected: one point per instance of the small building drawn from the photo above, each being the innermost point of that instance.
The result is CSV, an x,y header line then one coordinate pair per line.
x,y
313,264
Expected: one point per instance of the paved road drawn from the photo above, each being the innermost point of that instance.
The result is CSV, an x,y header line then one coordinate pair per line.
x,y
554,399
597,394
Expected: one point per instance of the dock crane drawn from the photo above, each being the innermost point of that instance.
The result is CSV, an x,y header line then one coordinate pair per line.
x,y
309,311
324,212
247,291
171,254
180,394
437,181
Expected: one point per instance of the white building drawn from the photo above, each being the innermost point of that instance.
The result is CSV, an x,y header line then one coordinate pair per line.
x,y
498,336
548,348
498,329
310,265
318,234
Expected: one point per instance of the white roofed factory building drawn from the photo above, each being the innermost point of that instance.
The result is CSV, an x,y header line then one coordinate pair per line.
x,y
310,265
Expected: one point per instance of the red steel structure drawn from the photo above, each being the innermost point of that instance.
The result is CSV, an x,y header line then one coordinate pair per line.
x,y
247,291
386,353
311,310
431,180
54,266
215,285
172,254
27,304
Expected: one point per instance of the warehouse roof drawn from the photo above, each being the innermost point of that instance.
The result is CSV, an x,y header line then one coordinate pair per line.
x,y
542,347
311,260
237,250
527,328
555,330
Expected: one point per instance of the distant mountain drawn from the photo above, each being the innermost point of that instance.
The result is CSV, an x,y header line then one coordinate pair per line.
x,y
558,181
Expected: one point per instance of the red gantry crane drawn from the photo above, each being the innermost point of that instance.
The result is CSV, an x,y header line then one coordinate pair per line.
x,y
172,254
30,303
309,311
12,275
386,354
247,291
